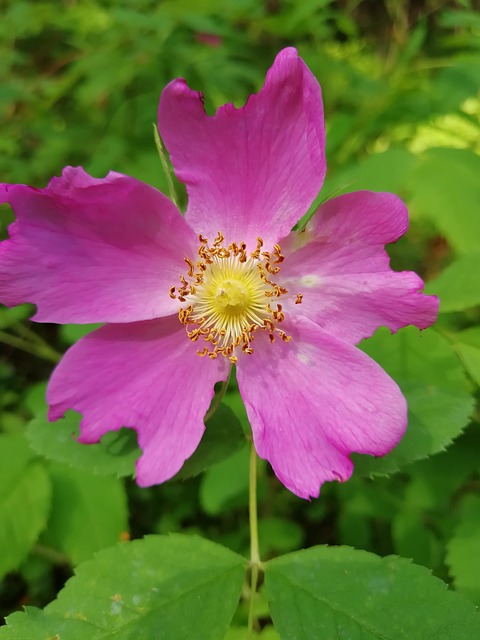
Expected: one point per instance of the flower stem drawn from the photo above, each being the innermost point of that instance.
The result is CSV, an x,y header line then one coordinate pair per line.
x,y
166,167
254,546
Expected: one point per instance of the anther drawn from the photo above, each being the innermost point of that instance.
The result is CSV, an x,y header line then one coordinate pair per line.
x,y
268,324
191,267
219,239
279,257
256,254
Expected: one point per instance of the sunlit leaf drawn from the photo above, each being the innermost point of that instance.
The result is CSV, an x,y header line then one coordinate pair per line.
x,y
446,189
458,287
386,171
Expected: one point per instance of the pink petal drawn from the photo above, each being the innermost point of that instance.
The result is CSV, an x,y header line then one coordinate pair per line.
x,y
252,171
144,375
340,266
313,401
88,250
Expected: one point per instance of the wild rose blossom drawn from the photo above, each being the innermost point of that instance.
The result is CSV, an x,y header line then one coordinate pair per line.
x,y
185,297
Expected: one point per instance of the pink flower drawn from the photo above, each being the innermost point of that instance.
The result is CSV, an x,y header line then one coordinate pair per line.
x,y
184,297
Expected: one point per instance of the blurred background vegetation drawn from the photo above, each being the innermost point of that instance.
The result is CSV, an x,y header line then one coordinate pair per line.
x,y
80,82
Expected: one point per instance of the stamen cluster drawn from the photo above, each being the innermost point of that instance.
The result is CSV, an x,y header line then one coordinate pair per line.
x,y
229,296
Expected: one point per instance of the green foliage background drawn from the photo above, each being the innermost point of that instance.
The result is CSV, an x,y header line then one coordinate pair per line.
x,y
80,85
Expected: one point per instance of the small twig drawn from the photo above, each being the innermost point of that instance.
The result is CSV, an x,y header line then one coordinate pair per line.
x,y
54,556
40,350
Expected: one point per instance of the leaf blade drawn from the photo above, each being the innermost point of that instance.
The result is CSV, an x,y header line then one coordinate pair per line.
x,y
25,494
163,587
433,381
339,592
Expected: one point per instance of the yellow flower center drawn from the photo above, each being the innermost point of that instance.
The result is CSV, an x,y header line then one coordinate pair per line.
x,y
227,297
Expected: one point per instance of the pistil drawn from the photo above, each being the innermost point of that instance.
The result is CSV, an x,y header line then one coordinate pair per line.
x,y
229,296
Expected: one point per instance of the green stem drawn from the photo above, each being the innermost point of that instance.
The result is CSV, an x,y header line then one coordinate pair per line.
x,y
42,351
254,546
166,167
52,555
25,332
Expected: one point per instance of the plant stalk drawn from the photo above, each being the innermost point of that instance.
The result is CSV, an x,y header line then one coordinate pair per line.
x,y
254,545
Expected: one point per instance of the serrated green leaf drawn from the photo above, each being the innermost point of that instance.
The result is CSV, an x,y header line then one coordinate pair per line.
x,y
463,554
445,189
341,593
458,286
117,452
114,455
223,437
433,381
163,587
430,487
35,624
24,501
89,512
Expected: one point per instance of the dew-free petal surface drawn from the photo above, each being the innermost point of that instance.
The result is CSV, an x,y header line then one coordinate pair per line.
x,y
93,250
144,375
252,171
313,401
340,266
